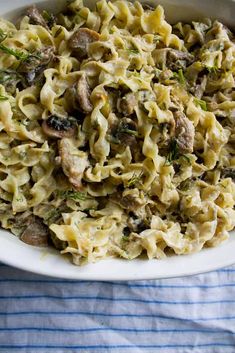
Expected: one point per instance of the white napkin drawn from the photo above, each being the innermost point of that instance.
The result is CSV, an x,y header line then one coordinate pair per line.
x,y
184,315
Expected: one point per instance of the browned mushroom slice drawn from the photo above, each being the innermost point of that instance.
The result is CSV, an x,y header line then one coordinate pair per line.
x,y
58,127
73,161
80,40
184,132
127,104
83,95
35,17
36,233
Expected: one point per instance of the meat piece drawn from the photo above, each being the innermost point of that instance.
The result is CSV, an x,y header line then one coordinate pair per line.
x,y
35,233
184,132
228,173
127,104
174,59
83,95
73,161
177,59
35,64
59,127
35,17
80,40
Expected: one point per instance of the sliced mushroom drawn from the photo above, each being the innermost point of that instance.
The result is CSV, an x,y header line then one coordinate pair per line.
x,y
33,67
80,40
59,127
83,95
127,104
184,132
36,233
35,17
73,161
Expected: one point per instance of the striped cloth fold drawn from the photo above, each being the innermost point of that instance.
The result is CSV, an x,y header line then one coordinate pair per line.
x,y
194,314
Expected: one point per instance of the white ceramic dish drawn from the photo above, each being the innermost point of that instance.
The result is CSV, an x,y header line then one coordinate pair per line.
x,y
51,263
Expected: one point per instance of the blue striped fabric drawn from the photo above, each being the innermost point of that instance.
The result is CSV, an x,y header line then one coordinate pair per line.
x,y
194,314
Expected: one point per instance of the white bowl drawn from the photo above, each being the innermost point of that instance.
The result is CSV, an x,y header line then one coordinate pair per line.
x,y
50,262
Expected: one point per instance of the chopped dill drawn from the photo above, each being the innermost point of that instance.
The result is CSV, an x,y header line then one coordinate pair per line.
x,y
201,103
212,69
180,76
134,180
127,131
133,51
173,152
72,195
18,54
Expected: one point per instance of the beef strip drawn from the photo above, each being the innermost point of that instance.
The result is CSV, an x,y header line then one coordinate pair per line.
x,y
73,163
83,94
184,132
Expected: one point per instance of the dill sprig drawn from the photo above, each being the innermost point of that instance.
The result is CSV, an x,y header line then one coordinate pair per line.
x,y
134,180
18,54
72,195
173,153
212,69
201,103
133,51
127,131
180,76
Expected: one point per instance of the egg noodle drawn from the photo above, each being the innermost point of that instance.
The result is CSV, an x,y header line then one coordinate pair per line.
x,y
117,131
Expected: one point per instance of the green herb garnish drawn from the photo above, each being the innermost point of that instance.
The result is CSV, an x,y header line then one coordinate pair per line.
x,y
72,195
134,180
127,131
47,16
18,54
173,152
133,51
201,103
180,76
212,69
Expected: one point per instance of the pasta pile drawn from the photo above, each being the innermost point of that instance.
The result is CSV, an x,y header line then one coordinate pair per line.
x,y
117,131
